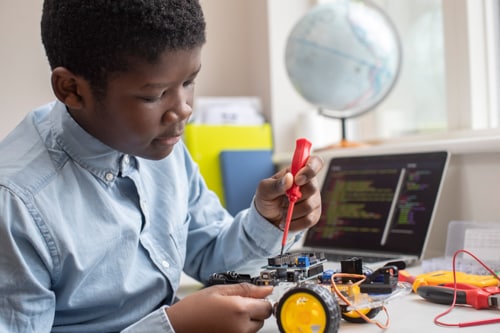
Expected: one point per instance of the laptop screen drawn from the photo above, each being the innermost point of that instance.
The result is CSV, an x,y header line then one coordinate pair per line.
x,y
380,203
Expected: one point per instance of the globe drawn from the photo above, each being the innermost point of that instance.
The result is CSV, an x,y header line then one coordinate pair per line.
x,y
344,57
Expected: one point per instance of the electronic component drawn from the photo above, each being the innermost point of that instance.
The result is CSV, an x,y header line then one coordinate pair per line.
x,y
303,289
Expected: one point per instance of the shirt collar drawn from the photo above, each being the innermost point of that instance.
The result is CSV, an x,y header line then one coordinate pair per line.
x,y
101,160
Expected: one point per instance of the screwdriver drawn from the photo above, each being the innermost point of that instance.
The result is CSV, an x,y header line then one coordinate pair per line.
x,y
300,156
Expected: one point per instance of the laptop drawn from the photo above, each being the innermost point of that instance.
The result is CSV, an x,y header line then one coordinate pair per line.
x,y
379,208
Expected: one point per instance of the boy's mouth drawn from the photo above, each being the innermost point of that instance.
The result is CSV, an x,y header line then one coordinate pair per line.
x,y
168,140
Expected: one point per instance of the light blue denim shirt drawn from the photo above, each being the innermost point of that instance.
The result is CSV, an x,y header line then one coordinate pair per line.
x,y
93,240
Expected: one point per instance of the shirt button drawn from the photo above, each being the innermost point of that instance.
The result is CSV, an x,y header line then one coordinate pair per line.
x,y
109,176
126,159
165,264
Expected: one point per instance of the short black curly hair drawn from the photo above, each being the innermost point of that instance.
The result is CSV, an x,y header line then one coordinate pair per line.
x,y
94,38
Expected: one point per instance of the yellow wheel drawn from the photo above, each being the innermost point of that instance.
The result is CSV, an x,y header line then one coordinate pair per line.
x,y
306,309
354,317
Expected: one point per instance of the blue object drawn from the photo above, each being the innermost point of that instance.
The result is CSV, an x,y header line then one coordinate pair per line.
x,y
242,170
326,278
303,261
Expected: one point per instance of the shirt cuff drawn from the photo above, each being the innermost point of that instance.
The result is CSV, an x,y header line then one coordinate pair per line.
x,y
155,322
261,226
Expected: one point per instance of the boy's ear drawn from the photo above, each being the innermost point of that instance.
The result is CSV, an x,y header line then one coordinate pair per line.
x,y
68,87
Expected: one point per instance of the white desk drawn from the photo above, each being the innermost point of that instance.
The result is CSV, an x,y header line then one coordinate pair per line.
x,y
410,314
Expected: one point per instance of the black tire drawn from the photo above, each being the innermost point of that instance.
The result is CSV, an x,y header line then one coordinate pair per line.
x,y
311,306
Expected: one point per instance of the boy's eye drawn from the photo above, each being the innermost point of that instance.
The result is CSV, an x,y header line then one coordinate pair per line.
x,y
188,83
150,99
155,98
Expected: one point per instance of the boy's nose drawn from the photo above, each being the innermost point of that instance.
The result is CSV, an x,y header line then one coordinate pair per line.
x,y
181,110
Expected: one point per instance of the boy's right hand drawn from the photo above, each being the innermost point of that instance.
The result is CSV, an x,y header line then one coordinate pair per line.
x,y
239,308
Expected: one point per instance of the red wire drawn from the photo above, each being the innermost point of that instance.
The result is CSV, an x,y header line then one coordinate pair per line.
x,y
452,306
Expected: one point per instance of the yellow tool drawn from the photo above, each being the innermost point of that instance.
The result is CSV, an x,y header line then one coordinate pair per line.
x,y
437,278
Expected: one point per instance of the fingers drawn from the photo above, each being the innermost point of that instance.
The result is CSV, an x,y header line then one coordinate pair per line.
x,y
271,201
276,186
258,307
279,183
257,310
306,212
311,169
245,290
222,309
308,208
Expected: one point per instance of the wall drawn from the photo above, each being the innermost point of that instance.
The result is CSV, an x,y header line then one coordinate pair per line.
x,y
24,70
235,58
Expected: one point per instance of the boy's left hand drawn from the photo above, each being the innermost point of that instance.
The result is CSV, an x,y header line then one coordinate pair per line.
x,y
272,203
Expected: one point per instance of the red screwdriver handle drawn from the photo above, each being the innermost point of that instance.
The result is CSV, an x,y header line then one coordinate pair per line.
x,y
300,156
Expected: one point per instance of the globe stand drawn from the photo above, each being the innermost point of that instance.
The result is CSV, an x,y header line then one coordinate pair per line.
x,y
344,143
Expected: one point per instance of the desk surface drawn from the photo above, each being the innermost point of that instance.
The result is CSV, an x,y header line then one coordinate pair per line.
x,y
410,314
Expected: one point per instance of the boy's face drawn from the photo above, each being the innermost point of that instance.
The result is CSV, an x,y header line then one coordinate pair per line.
x,y
144,110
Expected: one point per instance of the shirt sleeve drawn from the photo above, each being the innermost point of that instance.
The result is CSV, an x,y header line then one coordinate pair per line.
x,y
27,303
155,322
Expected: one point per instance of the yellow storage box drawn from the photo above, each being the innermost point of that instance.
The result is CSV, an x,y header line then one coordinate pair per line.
x,y
205,143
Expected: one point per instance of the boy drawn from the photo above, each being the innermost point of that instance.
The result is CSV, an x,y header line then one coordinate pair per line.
x,y
102,206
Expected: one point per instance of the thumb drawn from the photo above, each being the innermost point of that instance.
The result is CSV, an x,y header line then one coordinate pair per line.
x,y
247,290
272,188
270,198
